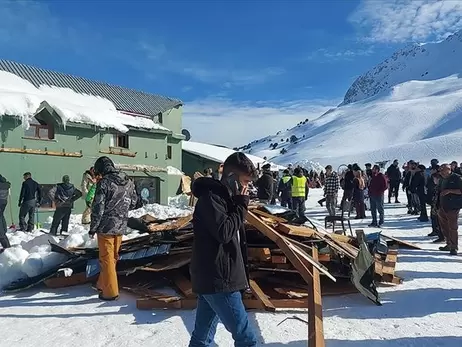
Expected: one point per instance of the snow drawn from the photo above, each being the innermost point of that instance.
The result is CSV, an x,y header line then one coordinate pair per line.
x,y
31,253
219,154
171,170
424,311
20,98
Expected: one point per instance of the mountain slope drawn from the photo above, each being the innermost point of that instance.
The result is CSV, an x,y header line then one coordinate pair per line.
x,y
396,110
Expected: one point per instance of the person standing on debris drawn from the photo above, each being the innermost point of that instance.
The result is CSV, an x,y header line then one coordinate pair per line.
x,y
29,199
4,193
265,185
450,189
285,189
219,270
394,179
88,180
331,189
64,195
115,195
300,189
377,189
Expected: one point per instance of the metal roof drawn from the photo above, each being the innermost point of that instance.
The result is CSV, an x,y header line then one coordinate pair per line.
x,y
124,99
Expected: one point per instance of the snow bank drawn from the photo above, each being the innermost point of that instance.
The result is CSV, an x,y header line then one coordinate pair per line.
x,y
20,98
31,252
180,201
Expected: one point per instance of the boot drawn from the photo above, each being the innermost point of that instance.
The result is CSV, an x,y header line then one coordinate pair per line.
x,y
444,248
453,252
373,225
397,202
320,202
433,233
438,240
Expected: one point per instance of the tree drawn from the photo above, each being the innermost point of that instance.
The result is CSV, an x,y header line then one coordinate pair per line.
x,y
293,138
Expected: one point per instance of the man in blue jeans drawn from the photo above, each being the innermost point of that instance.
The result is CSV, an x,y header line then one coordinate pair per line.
x,y
377,188
219,271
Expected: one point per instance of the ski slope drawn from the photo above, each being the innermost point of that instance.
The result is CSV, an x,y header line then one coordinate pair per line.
x,y
408,107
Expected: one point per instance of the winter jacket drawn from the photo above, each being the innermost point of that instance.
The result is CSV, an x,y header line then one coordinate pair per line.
x,y
358,192
64,195
285,187
219,257
115,195
87,182
332,185
4,190
394,173
407,179
378,185
417,185
265,186
30,190
349,177
90,195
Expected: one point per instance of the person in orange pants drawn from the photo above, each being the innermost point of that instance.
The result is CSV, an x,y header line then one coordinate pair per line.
x,y
115,195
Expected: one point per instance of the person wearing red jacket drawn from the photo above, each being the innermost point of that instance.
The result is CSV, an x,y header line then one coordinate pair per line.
x,y
377,188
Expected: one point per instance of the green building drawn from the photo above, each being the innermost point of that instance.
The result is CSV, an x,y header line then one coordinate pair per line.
x,y
53,146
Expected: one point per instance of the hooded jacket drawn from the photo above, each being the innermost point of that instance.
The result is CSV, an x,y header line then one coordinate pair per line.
x,y
64,194
349,177
219,258
115,195
30,190
4,190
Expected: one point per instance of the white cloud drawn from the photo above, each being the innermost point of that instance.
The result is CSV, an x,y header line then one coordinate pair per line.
x,y
336,55
398,21
230,123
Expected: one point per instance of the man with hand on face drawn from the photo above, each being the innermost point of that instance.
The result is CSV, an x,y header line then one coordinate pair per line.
x,y
219,261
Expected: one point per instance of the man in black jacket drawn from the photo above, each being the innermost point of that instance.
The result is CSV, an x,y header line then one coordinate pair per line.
x,y
4,193
348,185
394,179
265,184
64,195
29,199
219,261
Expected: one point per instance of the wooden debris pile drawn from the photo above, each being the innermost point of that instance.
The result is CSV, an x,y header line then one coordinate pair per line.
x,y
289,265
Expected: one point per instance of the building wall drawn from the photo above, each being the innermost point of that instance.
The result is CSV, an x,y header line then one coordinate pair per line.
x,y
193,163
172,119
150,148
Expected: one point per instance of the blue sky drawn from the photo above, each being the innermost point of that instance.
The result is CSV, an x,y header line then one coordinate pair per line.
x,y
238,65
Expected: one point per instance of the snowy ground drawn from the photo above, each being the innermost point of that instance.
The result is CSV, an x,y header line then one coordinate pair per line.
x,y
424,311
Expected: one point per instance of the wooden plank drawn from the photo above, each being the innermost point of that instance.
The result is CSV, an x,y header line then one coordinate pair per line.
x,y
402,243
295,230
190,304
324,257
178,224
278,259
74,280
40,152
258,293
259,254
315,322
288,249
269,216
119,152
183,284
335,245
378,267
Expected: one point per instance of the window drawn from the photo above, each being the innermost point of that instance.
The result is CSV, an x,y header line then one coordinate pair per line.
x,y
121,141
169,152
39,129
158,118
147,188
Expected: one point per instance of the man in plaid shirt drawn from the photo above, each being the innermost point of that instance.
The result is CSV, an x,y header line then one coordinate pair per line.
x,y
331,190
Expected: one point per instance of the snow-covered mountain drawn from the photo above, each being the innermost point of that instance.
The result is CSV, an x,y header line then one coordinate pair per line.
x,y
408,107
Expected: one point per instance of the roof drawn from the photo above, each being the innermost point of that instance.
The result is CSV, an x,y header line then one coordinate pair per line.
x,y
219,154
124,99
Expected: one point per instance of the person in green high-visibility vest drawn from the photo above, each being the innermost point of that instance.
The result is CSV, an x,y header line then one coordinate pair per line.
x,y
300,190
285,189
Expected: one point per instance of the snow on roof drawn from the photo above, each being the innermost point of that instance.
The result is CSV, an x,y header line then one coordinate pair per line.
x,y
20,98
219,154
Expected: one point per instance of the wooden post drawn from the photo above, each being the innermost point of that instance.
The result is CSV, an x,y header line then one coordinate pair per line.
x,y
315,323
